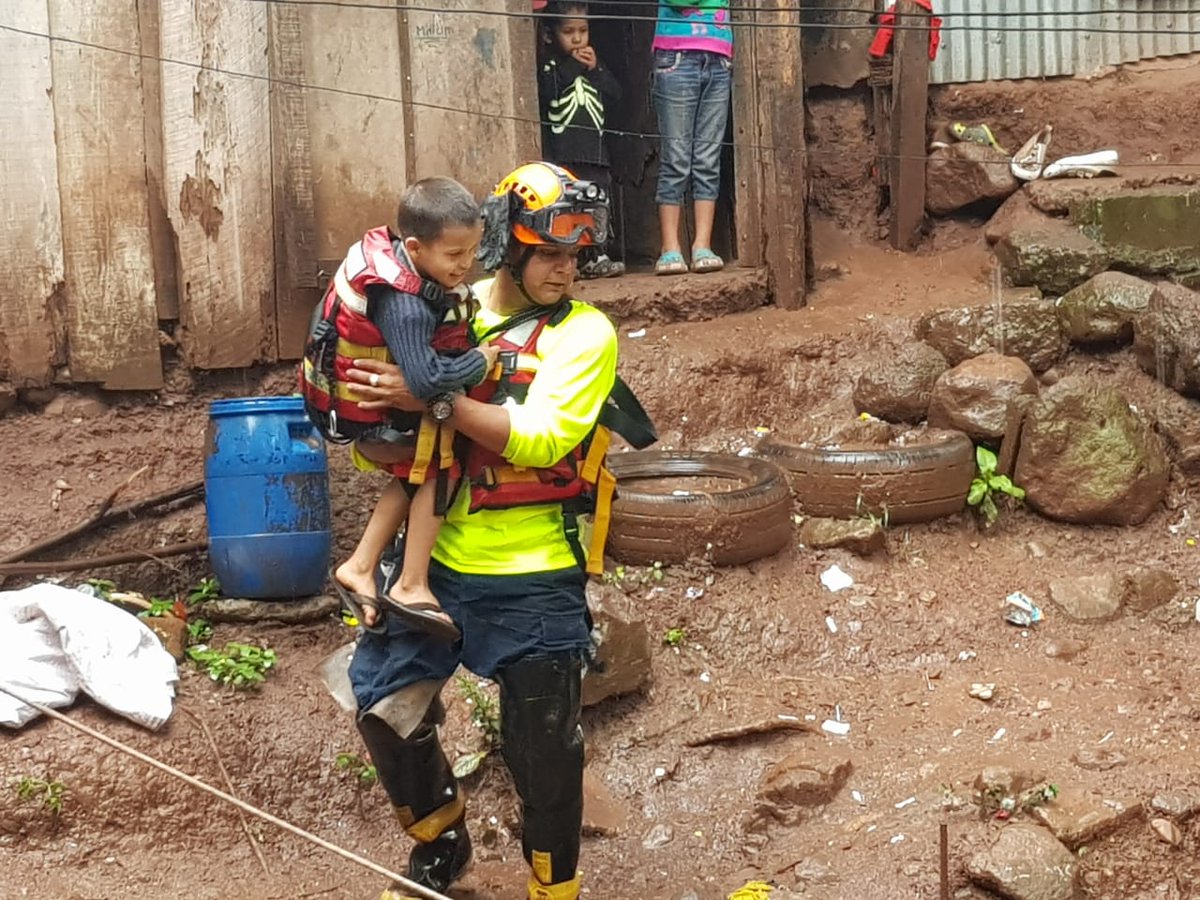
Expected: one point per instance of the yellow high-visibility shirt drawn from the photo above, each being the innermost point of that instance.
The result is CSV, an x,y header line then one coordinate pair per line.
x,y
576,373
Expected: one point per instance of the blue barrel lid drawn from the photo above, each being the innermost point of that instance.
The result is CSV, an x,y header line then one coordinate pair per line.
x,y
241,406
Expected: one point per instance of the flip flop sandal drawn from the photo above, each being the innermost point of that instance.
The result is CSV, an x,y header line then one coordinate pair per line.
x,y
706,261
423,616
356,603
670,264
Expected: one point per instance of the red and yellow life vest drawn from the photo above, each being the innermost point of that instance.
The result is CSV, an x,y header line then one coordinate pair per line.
x,y
580,481
341,331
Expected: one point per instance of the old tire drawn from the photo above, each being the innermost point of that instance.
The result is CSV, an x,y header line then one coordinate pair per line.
x,y
908,484
746,520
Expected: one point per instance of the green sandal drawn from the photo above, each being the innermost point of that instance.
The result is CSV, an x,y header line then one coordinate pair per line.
x,y
670,264
704,260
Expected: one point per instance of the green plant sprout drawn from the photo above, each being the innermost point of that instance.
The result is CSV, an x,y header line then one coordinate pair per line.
x,y
237,665
199,631
158,607
485,715
674,637
47,793
365,774
988,484
207,589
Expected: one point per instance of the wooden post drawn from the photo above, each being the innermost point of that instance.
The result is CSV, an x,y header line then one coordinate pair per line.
x,y
771,156
111,315
30,218
296,288
747,137
217,164
910,99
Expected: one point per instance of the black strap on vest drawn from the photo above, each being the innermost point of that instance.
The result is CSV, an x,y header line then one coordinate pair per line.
x,y
623,414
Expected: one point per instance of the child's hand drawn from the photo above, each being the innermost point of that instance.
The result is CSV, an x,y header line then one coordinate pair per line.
x,y
491,353
586,56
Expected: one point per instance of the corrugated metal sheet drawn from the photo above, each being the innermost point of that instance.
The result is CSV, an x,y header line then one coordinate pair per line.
x,y
987,53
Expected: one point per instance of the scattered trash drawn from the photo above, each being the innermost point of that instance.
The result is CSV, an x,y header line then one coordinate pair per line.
x,y
907,802
897,838
831,625
56,495
1181,524
833,727
660,772
681,493
1198,610
746,451
834,579
752,890
858,798
761,430
694,593
965,656
1028,162
705,677
640,333
1087,165
977,134
982,691
1106,738
1000,732
1024,611
1191,542
658,836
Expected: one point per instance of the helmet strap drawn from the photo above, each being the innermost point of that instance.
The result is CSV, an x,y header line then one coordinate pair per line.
x,y
517,270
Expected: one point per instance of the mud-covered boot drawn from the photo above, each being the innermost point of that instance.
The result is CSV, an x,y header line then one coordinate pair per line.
x,y
440,862
564,890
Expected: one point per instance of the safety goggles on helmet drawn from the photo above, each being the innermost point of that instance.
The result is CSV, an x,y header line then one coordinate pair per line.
x,y
579,216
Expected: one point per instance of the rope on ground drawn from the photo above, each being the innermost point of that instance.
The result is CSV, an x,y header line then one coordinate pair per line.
x,y
404,883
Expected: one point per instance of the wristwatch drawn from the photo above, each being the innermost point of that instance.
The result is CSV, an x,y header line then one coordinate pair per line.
x,y
441,408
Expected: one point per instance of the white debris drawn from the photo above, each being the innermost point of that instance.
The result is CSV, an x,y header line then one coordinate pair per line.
x,y
982,691
857,797
705,677
834,579
694,593
1000,732
965,656
831,624
896,838
833,727
640,333
907,802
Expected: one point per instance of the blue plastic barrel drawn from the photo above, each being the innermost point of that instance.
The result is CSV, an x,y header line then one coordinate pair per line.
x,y
266,485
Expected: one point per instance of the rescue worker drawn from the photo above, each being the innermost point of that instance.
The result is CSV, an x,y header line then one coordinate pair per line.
x,y
508,565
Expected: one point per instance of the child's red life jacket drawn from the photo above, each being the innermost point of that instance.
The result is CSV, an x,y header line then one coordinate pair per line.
x,y
341,332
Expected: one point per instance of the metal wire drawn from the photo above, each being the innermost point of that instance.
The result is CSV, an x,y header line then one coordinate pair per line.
x,y
812,153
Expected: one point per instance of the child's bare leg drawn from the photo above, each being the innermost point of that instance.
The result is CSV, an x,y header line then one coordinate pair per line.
x,y
420,535
358,572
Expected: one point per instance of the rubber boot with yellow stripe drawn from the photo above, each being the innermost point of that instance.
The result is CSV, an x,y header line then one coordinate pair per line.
x,y
425,795
564,890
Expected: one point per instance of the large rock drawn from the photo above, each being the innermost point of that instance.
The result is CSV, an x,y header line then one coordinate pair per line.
x,y
1146,588
806,778
1087,457
898,388
1028,329
1078,819
1053,256
1014,214
1088,598
861,536
965,173
622,663
1166,339
1025,863
1153,230
1177,421
976,395
1104,308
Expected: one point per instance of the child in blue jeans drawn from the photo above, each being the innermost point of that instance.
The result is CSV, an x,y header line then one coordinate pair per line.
x,y
693,74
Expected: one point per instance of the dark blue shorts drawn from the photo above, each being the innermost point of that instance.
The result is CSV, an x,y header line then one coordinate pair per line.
x,y
503,618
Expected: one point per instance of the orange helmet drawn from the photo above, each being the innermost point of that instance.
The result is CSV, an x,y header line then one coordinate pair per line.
x,y
555,207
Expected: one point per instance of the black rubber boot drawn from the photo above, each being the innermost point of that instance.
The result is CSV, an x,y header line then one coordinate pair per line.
x,y
418,781
543,748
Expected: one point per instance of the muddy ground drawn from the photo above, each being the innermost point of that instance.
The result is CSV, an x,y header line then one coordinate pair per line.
x,y
756,644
